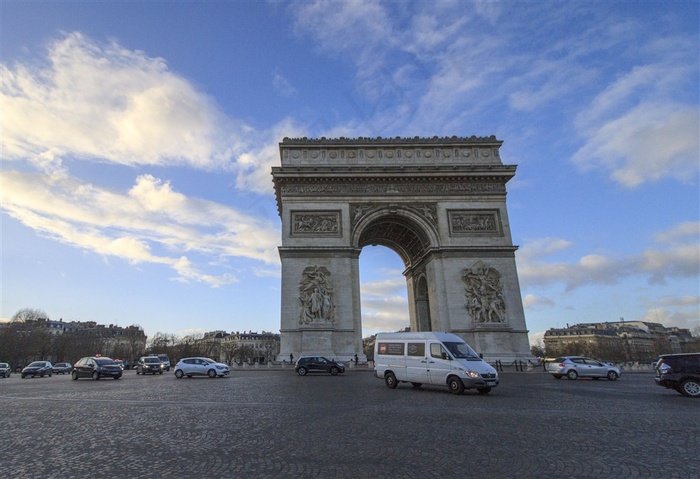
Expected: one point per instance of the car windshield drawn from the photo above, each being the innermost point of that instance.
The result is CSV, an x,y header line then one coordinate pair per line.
x,y
208,361
4,365
151,360
37,364
461,350
104,361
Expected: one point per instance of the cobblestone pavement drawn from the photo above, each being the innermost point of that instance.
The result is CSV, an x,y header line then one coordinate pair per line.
x,y
260,424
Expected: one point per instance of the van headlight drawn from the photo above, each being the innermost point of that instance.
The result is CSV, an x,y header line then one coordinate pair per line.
x,y
471,374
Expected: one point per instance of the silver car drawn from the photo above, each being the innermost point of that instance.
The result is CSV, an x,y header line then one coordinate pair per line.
x,y
200,367
580,366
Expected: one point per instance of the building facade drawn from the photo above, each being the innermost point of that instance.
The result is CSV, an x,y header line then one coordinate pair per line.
x,y
620,340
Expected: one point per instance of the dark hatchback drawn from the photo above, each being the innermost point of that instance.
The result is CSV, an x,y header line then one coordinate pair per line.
x,y
680,372
149,364
96,367
62,368
37,368
318,364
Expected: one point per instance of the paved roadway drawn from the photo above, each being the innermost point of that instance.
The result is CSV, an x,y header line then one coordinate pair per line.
x,y
272,423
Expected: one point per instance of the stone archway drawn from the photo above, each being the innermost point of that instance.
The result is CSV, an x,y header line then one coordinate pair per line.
x,y
439,203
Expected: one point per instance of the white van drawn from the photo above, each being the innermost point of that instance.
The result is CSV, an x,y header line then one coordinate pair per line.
x,y
431,358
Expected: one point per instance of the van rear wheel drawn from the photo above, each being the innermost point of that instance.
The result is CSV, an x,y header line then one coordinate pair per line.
x,y
456,385
390,381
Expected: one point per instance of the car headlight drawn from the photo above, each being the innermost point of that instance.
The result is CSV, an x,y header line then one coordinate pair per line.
x,y
471,374
219,366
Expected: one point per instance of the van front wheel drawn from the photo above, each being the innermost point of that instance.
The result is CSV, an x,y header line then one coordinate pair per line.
x,y
456,385
390,381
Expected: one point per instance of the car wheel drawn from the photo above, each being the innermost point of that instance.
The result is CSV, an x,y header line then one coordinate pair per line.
x,y
455,385
137,372
334,371
211,373
24,376
612,376
416,385
572,375
49,374
302,371
484,390
390,381
95,376
690,388
179,374
117,377
161,372
74,376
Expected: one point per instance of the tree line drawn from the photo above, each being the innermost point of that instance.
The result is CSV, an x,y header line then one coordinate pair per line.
x,y
27,338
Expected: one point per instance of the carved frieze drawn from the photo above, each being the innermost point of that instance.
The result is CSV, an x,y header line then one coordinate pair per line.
x,y
304,189
316,296
316,223
474,222
484,293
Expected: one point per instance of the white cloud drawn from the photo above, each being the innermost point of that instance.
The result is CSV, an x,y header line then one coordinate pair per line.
x,y
677,260
107,103
640,128
151,223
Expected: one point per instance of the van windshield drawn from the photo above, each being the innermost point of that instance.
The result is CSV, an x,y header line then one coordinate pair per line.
x,y
461,351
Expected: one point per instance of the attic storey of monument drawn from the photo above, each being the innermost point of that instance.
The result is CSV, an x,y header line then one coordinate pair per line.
x,y
439,203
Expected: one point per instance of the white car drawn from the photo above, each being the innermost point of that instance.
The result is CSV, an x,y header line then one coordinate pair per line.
x,y
200,367
580,366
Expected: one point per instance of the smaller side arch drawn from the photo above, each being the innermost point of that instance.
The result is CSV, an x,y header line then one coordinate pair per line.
x,y
422,304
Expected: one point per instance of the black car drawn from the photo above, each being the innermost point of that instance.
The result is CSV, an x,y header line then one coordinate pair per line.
x,y
680,372
318,364
96,367
37,368
149,364
5,370
62,368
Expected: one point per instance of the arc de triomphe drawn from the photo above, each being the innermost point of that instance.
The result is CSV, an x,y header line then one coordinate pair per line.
x,y
440,203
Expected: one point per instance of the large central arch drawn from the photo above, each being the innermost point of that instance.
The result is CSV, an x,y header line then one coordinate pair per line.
x,y
438,203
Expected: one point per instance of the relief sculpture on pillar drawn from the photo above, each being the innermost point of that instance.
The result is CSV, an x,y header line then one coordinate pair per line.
x,y
484,292
316,296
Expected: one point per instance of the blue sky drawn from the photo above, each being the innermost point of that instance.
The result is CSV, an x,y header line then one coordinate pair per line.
x,y
138,137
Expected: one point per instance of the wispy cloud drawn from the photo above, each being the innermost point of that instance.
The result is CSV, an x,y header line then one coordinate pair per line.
x,y
151,223
282,85
436,68
677,259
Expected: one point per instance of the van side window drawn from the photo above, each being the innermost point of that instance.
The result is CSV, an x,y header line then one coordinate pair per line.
x,y
416,349
436,350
